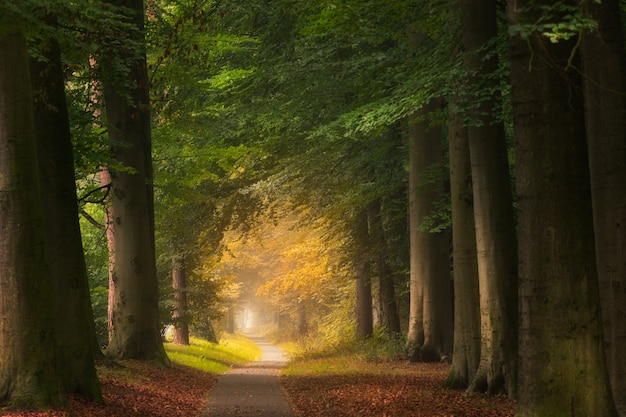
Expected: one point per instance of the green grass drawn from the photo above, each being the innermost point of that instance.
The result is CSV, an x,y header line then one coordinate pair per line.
x,y
214,358
339,365
381,354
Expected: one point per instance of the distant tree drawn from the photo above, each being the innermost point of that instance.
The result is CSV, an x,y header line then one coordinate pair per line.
x,y
604,69
29,369
301,318
562,365
362,273
179,283
389,316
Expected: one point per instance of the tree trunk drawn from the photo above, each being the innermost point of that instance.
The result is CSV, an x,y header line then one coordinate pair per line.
x,y
466,354
105,181
73,314
562,366
388,315
135,332
230,320
493,208
179,283
362,271
430,316
134,321
417,239
604,66
303,326
29,369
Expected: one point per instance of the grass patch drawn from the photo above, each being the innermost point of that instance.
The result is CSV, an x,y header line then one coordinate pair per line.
x,y
346,364
214,358
338,365
123,370
382,354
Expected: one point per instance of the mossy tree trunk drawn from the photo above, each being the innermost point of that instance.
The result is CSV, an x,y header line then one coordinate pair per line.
x,y
562,365
604,66
74,325
29,369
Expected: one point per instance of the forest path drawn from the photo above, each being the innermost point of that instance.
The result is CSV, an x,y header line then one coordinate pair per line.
x,y
252,390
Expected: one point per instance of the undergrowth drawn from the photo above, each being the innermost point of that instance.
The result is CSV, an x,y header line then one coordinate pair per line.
x,y
317,355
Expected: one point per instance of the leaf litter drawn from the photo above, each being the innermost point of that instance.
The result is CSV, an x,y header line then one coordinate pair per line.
x,y
416,393
147,390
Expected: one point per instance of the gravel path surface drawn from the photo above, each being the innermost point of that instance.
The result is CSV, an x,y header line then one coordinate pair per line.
x,y
253,390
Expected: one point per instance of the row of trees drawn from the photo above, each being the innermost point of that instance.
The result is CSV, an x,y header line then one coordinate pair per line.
x,y
516,92
355,114
48,335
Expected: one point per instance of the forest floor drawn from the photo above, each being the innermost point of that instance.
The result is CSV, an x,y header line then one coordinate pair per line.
x,y
398,389
145,390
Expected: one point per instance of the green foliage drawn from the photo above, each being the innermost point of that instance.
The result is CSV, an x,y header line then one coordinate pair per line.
x,y
97,262
558,21
383,346
266,107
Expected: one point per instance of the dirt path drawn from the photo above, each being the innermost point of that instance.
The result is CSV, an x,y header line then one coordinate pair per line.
x,y
252,391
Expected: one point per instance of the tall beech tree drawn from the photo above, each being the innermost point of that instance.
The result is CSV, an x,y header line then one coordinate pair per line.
x,y
466,352
430,316
604,69
492,202
562,366
134,327
73,314
29,369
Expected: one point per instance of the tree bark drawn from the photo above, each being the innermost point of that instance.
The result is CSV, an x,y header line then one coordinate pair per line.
x,y
430,317
466,353
562,366
389,317
73,314
135,324
362,271
493,206
29,369
179,283
105,181
604,66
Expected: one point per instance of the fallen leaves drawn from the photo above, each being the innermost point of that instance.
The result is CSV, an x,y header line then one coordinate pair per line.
x,y
140,389
416,394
